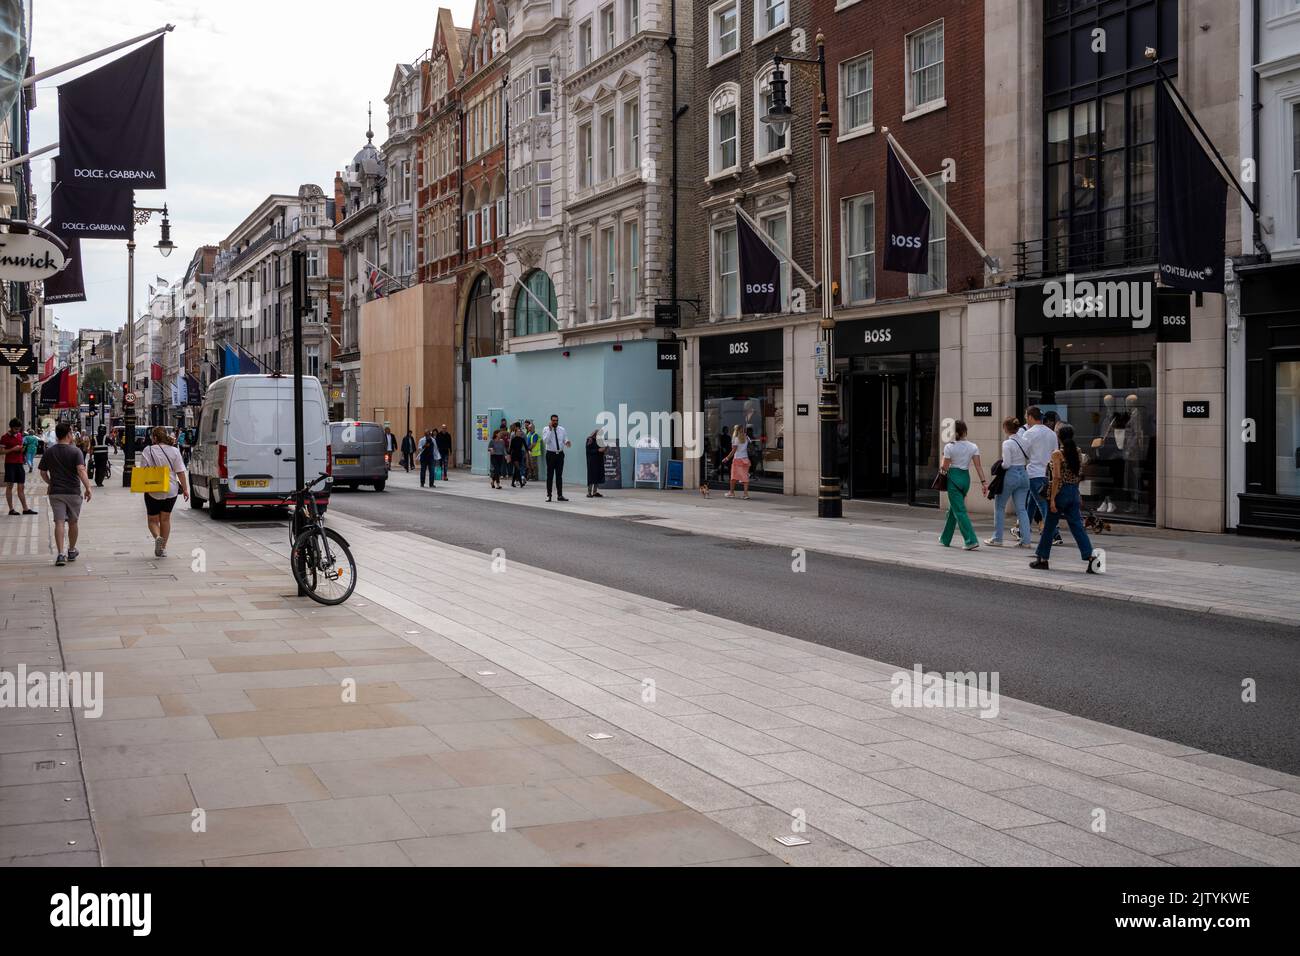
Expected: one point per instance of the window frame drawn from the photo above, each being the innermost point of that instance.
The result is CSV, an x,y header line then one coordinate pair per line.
x,y
938,237
717,279
845,70
718,107
716,11
911,73
762,131
847,255
761,30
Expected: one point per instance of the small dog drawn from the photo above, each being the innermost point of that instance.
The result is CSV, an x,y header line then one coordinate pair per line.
x,y
1094,524
704,490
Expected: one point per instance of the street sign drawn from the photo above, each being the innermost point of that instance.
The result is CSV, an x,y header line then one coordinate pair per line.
x,y
129,399
669,356
819,360
668,315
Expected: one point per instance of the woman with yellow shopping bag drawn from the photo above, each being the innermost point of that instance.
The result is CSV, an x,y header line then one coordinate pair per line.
x,y
160,463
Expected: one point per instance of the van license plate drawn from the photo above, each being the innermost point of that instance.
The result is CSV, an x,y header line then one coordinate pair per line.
x,y
254,482
347,461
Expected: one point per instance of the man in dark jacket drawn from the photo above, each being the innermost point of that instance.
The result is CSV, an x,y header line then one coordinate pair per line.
x,y
408,449
444,451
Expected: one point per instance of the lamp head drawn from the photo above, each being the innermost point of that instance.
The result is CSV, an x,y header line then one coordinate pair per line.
x,y
778,115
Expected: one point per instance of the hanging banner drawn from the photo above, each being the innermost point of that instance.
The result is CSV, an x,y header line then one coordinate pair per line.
x,y
68,285
1191,204
760,273
90,213
111,126
907,220
52,389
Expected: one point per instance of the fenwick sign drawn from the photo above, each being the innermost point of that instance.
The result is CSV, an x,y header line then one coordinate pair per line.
x,y
30,256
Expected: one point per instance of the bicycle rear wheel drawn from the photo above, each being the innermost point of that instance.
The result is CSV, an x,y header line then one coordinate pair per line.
x,y
323,566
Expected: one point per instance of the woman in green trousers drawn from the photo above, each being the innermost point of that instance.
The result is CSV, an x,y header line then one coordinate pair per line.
x,y
958,457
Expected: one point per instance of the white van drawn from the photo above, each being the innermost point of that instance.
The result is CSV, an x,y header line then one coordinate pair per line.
x,y
243,454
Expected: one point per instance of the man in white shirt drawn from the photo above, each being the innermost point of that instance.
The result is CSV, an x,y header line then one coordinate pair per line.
x,y
555,439
1040,442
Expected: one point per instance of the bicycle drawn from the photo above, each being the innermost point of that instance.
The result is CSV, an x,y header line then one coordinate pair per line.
x,y
320,558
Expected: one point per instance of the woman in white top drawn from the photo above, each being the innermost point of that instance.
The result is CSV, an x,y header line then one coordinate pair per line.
x,y
158,505
958,457
1015,485
739,458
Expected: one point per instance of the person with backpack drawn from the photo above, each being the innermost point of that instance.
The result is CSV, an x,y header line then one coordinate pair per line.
x,y
408,450
1063,502
429,457
1010,483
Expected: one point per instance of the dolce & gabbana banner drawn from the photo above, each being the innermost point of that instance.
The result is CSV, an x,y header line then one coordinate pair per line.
x,y
89,213
111,126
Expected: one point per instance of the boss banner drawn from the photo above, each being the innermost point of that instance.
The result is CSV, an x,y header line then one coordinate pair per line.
x,y
760,273
907,220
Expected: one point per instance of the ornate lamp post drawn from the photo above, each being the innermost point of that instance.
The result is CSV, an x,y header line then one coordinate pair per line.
x,y
165,245
780,117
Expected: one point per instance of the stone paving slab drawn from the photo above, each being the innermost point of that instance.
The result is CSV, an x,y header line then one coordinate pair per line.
x,y
770,735
227,738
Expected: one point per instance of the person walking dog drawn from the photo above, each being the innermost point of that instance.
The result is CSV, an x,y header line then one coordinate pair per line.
x,y
1063,502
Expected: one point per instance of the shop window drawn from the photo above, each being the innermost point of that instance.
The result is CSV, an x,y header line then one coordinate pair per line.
x,y
1104,386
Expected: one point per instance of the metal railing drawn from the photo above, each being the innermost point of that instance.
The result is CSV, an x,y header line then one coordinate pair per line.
x,y
1096,250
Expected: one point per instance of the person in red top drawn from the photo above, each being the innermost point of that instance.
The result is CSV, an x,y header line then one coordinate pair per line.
x,y
15,473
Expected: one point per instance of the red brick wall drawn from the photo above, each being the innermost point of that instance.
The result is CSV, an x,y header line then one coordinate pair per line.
x,y
955,132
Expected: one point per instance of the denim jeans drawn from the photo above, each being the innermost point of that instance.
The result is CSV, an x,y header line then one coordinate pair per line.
x,y
427,468
1067,508
1037,506
1015,488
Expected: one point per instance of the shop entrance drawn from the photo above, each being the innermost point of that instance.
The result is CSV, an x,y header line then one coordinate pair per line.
x,y
888,442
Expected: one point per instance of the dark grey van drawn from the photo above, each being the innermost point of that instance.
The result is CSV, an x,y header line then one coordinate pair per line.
x,y
360,454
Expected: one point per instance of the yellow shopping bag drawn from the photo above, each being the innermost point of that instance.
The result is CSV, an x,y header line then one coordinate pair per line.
x,y
156,479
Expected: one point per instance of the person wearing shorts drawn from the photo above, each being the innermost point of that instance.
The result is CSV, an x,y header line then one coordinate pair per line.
x,y
158,504
15,472
739,458
63,467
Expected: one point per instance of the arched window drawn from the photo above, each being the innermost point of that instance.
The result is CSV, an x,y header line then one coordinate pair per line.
x,y
482,326
530,317
724,129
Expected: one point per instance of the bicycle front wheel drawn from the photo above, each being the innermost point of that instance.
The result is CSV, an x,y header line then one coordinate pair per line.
x,y
323,566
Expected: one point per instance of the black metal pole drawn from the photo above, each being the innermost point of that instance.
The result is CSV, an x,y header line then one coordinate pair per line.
x,y
298,304
830,503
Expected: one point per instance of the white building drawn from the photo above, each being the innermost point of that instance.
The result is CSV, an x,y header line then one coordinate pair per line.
x,y
1263,288
359,189
397,228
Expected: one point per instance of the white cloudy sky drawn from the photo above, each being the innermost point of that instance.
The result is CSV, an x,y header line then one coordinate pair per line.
x,y
262,96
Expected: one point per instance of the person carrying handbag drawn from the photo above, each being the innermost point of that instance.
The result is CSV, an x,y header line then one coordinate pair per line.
x,y
1063,502
1010,483
158,504
958,457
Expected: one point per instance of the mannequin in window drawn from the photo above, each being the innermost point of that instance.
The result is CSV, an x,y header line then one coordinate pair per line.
x,y
1109,448
1135,450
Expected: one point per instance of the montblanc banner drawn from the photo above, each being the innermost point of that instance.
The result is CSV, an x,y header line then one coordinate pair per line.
x,y
907,220
111,127
193,390
68,285
760,272
90,213
1191,204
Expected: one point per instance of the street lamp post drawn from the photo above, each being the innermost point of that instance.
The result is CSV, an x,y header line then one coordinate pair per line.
x,y
165,245
779,116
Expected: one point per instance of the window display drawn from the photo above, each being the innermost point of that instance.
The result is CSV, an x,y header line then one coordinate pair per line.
x,y
1103,385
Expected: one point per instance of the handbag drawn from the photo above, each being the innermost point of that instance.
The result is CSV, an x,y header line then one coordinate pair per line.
x,y
999,473
940,482
155,479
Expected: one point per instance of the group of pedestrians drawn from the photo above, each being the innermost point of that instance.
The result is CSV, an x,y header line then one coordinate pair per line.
x,y
1038,474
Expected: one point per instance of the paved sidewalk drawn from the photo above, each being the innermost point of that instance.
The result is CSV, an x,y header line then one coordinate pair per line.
x,y
226,738
1258,579
761,731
